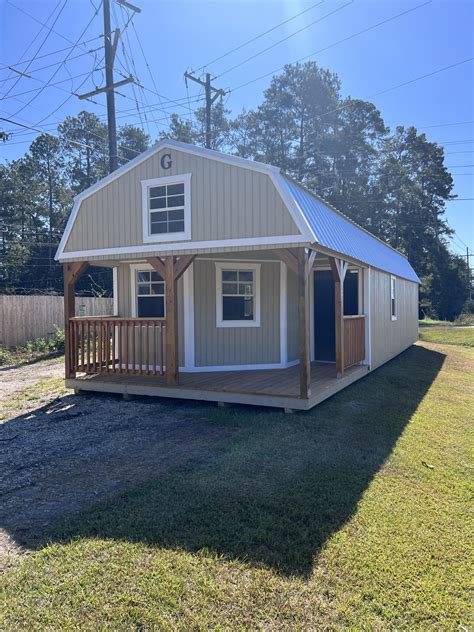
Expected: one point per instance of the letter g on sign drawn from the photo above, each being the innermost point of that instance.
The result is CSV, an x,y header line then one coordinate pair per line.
x,y
166,161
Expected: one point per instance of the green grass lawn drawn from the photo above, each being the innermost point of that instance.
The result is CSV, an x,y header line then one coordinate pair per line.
x,y
430,322
350,516
462,337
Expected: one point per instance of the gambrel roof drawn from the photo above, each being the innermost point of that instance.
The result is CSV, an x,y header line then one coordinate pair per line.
x,y
335,231
317,223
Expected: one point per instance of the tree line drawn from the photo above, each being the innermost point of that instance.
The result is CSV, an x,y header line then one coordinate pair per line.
x,y
393,183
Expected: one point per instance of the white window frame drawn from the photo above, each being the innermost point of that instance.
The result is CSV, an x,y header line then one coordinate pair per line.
x,y
393,297
232,266
141,267
148,237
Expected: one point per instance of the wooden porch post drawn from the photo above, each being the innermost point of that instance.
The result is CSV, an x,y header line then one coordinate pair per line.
x,y
170,271
339,269
171,323
303,325
72,273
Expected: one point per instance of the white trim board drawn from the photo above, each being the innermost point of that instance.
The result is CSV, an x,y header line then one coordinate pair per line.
x,y
283,313
115,290
296,213
154,249
237,367
188,315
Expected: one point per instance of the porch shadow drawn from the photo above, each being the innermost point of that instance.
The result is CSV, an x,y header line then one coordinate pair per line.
x,y
272,488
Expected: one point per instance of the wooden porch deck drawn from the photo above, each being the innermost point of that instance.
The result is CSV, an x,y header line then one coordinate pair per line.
x,y
270,387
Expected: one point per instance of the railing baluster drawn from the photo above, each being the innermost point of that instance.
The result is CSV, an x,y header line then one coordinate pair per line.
x,y
120,345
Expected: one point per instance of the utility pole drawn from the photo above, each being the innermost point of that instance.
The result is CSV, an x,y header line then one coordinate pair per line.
x,y
110,48
469,281
109,84
211,95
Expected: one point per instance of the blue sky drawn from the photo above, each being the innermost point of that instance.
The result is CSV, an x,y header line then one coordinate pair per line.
x,y
189,34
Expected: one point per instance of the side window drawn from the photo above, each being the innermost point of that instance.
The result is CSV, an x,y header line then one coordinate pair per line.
x,y
150,294
237,295
393,298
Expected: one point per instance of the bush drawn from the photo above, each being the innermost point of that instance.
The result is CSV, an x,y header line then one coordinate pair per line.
x,y
5,356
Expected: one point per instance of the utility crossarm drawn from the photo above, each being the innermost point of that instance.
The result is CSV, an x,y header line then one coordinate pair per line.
x,y
124,82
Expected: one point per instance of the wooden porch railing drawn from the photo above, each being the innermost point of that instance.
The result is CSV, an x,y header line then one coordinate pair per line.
x,y
354,340
107,344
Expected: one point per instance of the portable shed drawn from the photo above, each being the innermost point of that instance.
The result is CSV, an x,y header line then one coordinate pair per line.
x,y
232,283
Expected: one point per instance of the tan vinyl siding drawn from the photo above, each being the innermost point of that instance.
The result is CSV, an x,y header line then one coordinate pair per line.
x,y
125,299
227,202
391,337
292,315
240,345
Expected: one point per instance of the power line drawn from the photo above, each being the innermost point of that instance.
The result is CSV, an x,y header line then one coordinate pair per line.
x,y
254,39
50,28
345,39
148,66
56,63
74,142
446,124
54,52
56,72
58,33
51,85
284,39
456,166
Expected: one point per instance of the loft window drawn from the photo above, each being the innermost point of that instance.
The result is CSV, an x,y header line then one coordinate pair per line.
x,y
150,297
167,208
238,295
393,298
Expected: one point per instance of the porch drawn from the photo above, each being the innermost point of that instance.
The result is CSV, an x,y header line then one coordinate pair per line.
x,y
278,388
138,355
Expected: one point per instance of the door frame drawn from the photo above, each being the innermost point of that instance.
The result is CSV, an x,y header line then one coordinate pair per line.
x,y
363,307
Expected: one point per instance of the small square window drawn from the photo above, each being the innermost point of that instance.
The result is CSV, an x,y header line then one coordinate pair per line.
x,y
237,296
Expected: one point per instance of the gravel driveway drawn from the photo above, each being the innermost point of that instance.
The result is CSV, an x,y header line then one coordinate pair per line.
x,y
60,452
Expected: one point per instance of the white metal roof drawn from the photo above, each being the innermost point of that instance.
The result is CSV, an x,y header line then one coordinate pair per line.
x,y
337,232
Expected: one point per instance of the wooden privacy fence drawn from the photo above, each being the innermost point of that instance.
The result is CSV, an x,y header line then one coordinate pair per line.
x,y
24,318
354,340
104,344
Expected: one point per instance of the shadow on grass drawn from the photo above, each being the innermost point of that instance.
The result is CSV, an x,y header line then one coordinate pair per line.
x,y
278,486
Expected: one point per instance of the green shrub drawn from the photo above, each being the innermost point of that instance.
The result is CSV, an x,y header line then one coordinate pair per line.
x,y
5,356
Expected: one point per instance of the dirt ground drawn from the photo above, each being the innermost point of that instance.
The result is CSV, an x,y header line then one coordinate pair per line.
x,y
60,452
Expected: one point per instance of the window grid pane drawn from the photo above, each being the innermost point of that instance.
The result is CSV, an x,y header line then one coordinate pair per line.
x,y
162,198
237,295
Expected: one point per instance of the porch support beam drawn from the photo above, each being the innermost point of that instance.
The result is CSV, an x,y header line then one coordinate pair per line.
x,y
339,269
311,258
303,325
171,322
287,257
182,265
72,273
157,265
